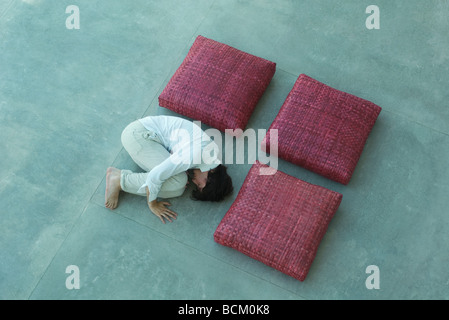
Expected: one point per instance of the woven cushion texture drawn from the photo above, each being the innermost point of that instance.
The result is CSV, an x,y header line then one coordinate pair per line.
x,y
323,129
278,220
217,85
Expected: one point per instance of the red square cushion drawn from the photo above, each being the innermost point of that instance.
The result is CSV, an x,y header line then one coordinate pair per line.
x,y
323,129
217,85
278,220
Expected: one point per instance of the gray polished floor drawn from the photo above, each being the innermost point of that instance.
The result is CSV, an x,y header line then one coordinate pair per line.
x,y
67,94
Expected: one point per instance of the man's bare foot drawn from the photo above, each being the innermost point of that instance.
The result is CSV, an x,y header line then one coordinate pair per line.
x,y
112,188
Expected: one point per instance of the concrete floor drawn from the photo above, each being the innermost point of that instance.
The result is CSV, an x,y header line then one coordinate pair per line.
x,y
67,94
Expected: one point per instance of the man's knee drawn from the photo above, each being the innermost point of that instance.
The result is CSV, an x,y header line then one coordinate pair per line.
x,y
181,180
178,183
127,135
174,187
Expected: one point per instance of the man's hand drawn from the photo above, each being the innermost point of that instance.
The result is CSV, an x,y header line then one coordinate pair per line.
x,y
160,210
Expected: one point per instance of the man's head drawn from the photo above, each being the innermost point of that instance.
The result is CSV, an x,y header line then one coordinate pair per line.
x,y
213,185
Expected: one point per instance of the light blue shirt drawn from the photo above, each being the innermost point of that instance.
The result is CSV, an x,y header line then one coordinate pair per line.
x,y
189,146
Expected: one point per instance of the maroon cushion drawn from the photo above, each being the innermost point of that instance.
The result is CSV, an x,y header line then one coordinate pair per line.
x,y
278,220
217,85
323,129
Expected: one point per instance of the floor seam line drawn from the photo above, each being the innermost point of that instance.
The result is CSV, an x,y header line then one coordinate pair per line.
x,y
385,110
57,251
179,57
88,202
202,252
8,7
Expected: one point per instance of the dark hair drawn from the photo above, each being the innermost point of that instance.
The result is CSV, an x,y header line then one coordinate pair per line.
x,y
218,186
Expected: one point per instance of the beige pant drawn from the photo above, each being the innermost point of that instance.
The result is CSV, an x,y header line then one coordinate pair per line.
x,y
146,150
